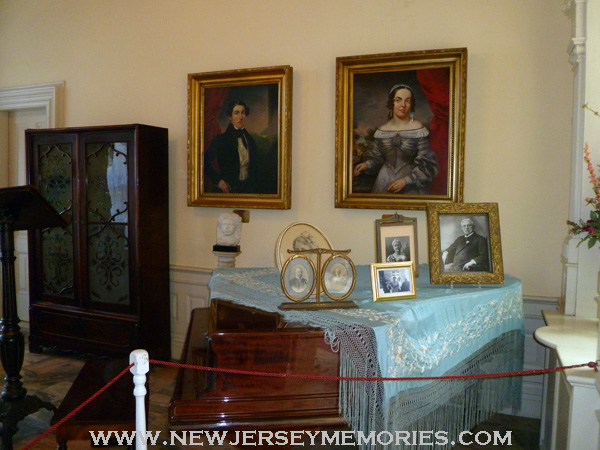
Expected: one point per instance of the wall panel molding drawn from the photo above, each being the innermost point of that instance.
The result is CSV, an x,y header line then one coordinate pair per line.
x,y
189,290
533,386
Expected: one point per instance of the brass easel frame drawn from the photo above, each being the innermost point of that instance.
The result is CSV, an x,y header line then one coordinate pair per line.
x,y
318,285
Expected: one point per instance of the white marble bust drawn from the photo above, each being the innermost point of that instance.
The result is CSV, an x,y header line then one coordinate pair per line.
x,y
229,229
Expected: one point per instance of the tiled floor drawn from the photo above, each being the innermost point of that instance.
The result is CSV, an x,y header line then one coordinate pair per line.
x,y
49,376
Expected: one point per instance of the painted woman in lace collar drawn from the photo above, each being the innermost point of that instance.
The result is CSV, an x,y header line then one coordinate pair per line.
x,y
400,154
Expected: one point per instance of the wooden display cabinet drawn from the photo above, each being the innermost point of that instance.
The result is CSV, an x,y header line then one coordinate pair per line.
x,y
101,285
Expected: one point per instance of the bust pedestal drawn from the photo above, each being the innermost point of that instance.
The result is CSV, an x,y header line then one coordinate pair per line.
x,y
226,259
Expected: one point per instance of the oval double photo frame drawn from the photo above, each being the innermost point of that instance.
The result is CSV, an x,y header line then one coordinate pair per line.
x,y
336,279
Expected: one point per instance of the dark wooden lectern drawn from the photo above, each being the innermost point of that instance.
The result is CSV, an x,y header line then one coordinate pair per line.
x,y
21,208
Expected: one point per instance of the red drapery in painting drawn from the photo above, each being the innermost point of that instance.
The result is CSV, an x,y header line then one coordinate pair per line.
x,y
435,84
213,102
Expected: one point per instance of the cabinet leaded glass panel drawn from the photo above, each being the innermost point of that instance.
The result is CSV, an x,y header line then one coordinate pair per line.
x,y
106,212
56,185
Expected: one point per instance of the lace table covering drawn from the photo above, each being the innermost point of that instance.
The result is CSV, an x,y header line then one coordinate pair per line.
x,y
446,330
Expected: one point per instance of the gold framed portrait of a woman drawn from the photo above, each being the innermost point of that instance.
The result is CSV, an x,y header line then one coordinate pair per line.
x,y
400,127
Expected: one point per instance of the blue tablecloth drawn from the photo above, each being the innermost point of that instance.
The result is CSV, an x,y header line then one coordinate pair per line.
x,y
445,329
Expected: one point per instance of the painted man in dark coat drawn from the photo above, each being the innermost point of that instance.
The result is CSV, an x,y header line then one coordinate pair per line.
x,y
235,154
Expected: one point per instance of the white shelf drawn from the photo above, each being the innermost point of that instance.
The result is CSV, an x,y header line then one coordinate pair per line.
x,y
575,341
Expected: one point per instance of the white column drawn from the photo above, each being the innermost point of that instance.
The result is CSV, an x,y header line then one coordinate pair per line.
x,y
578,291
141,367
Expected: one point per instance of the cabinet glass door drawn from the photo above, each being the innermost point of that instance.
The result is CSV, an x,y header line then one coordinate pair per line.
x,y
55,163
107,210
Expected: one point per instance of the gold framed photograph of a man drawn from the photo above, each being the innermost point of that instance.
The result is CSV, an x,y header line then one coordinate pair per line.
x,y
298,278
239,138
400,126
464,243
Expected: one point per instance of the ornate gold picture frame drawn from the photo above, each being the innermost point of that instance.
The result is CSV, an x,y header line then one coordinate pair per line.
x,y
400,129
298,278
464,243
338,276
228,167
396,240
301,278
393,281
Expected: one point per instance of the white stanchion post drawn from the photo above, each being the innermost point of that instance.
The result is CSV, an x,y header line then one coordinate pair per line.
x,y
141,367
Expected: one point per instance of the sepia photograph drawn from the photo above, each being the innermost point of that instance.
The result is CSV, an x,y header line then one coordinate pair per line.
x,y
396,240
339,277
298,278
297,237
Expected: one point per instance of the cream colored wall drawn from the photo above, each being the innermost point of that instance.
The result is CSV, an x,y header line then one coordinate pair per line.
x,y
4,149
126,62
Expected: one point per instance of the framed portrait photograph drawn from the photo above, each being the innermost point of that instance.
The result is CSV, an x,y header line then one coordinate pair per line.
x,y
393,281
339,277
464,244
239,138
298,278
299,236
400,129
396,240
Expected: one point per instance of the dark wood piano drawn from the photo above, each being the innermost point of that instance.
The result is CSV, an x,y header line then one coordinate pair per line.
x,y
232,336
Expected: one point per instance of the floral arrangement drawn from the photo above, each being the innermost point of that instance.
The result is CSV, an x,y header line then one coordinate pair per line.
x,y
590,227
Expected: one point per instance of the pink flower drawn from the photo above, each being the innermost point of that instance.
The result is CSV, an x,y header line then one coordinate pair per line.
x,y
589,226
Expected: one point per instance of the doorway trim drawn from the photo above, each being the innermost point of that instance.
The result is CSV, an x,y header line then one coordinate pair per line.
x,y
45,95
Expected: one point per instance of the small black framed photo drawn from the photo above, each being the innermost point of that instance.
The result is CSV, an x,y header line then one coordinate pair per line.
x,y
464,243
393,281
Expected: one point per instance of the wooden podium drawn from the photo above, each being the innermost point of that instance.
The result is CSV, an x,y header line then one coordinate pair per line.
x,y
21,208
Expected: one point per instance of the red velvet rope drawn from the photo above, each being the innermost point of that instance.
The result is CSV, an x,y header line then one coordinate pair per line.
x,y
79,408
591,364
